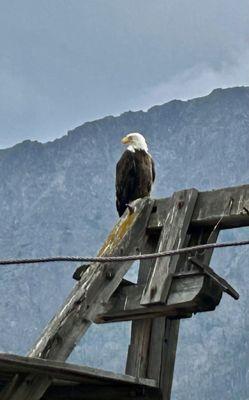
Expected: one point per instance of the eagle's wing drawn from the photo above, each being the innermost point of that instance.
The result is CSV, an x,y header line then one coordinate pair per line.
x,y
153,169
125,180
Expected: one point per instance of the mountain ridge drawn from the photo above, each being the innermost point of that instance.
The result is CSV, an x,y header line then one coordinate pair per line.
x,y
86,124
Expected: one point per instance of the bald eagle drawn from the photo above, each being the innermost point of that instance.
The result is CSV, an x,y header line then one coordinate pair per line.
x,y
135,172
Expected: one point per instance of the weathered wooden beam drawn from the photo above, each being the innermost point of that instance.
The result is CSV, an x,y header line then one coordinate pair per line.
x,y
94,390
61,371
137,358
231,204
173,235
160,339
189,293
104,392
95,287
164,351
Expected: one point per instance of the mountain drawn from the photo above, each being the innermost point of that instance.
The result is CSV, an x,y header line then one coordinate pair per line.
x,y
58,198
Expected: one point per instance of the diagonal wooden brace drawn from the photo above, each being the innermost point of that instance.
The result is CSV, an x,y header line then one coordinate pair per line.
x,y
224,285
79,310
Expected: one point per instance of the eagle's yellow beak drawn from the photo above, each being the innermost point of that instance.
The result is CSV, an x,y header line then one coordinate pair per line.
x,y
125,140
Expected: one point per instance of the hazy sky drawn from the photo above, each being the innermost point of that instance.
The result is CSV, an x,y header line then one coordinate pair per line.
x,y
63,62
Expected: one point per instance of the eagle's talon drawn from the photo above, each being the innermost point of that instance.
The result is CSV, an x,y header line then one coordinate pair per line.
x,y
130,208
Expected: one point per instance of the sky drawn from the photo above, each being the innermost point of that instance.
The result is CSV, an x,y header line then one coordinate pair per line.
x,y
65,62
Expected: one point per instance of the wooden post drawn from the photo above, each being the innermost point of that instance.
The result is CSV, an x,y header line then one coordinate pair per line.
x,y
152,351
137,358
95,287
167,330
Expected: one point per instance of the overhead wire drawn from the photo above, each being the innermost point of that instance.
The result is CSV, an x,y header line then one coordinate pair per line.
x,y
134,257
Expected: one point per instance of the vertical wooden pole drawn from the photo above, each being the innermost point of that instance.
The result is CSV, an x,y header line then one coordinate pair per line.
x,y
163,345
164,334
137,359
152,351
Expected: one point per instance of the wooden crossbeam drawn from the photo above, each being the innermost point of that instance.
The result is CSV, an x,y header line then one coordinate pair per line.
x,y
189,293
229,205
95,287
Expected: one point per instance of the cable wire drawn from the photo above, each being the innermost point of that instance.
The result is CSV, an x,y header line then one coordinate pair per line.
x,y
106,259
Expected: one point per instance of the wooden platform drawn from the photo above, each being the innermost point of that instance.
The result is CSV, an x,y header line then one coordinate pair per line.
x,y
74,382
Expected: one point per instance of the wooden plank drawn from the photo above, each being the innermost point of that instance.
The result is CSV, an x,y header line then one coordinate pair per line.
x,y
164,338
168,357
163,344
67,372
188,294
157,355
61,390
164,334
137,358
95,287
110,392
231,204
159,213
172,236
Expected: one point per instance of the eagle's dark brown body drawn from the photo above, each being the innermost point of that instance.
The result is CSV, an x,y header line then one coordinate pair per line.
x,y
135,174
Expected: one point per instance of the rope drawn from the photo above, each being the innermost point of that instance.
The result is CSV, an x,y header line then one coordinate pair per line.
x,y
167,253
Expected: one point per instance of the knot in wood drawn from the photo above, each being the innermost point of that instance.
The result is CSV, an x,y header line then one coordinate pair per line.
x,y
153,291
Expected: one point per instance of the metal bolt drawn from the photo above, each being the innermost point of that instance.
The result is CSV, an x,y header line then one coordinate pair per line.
x,y
109,274
180,204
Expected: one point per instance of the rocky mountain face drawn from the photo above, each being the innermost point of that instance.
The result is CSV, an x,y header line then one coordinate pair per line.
x,y
58,198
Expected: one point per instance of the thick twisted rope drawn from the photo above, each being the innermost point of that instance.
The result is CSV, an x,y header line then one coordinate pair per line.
x,y
167,253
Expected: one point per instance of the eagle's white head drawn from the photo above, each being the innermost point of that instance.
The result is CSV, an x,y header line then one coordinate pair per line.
x,y
135,141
